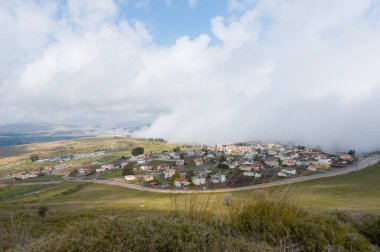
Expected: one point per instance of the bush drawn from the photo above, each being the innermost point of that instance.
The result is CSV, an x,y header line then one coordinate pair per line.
x,y
34,157
369,226
137,151
145,234
290,228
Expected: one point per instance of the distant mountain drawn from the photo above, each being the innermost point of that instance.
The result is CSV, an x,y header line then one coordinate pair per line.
x,y
24,133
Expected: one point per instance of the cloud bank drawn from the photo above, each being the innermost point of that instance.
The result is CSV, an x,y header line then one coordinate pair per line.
x,y
289,71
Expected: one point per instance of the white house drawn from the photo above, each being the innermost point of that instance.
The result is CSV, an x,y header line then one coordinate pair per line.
x,y
168,173
28,175
290,172
146,167
141,161
100,170
248,174
218,178
130,177
198,180
108,166
181,181
148,178
282,174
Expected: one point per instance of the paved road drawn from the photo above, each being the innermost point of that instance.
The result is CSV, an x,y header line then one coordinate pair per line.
x,y
361,164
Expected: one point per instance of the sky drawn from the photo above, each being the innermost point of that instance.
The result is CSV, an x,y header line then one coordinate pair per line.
x,y
197,71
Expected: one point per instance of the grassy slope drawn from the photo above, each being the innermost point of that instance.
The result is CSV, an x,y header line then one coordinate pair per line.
x,y
16,158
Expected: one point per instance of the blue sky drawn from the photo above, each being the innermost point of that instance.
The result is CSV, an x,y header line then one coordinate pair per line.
x,y
167,22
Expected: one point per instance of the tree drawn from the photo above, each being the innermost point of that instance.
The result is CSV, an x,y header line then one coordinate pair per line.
x,y
189,174
351,152
222,159
223,166
137,151
34,157
173,178
176,149
128,170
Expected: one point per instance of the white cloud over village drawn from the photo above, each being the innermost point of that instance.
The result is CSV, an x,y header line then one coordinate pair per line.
x,y
303,71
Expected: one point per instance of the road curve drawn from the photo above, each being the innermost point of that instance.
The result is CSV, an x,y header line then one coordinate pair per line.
x,y
361,164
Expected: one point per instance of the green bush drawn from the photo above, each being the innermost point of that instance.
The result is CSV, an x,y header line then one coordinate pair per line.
x,y
369,226
145,234
290,228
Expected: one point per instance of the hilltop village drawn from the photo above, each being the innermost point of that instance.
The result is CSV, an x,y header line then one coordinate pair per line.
x,y
183,167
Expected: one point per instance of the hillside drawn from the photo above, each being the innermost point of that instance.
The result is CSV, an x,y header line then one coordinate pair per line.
x,y
351,195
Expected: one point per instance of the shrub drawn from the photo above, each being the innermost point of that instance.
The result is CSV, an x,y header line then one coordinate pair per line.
x,y
290,228
145,234
369,226
137,151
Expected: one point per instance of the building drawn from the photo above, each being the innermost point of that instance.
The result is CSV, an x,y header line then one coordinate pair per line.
x,y
181,182
271,161
130,177
148,178
198,180
346,157
162,166
84,171
198,161
108,166
180,163
168,173
218,178
289,162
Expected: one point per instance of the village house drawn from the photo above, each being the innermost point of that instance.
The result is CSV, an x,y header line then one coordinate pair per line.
x,y
324,162
257,166
252,174
141,161
315,168
108,166
148,178
286,173
289,162
162,166
218,178
303,163
233,165
100,170
245,168
84,171
181,182
146,168
198,180
271,161
346,157
180,163
168,173
25,176
130,177
198,161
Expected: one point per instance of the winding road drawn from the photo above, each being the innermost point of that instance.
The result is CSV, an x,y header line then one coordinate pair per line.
x,y
361,164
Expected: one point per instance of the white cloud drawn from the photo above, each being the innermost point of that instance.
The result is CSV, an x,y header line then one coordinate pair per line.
x,y
301,71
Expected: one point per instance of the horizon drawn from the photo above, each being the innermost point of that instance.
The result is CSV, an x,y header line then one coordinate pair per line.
x,y
196,71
